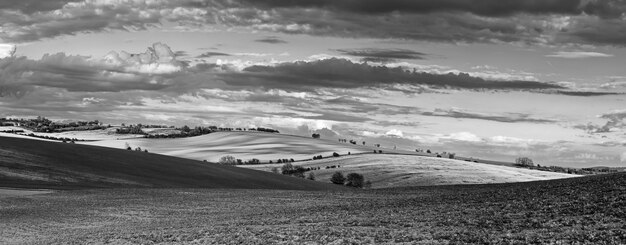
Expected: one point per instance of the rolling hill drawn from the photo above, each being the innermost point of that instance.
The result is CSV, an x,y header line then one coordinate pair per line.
x,y
27,163
242,145
389,170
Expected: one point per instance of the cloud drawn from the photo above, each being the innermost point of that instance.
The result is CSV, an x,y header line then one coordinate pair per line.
x,y
551,22
7,50
342,73
31,6
33,21
117,71
507,118
462,136
383,55
615,121
394,132
271,40
579,55
211,54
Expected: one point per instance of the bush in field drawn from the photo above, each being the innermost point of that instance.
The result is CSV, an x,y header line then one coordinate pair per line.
x,y
228,160
287,169
311,176
335,154
275,170
355,180
337,178
299,172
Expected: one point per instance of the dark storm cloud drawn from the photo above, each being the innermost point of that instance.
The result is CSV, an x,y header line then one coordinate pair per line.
x,y
486,21
586,93
479,7
341,73
271,40
383,55
507,118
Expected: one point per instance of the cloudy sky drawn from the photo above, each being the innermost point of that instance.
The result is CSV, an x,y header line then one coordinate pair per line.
x,y
494,79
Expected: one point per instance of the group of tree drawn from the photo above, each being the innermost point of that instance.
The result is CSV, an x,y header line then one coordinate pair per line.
x,y
315,136
317,157
184,131
128,147
284,160
289,169
230,160
62,139
524,162
352,180
45,125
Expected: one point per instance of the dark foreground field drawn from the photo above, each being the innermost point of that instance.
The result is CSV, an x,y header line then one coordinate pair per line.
x,y
587,210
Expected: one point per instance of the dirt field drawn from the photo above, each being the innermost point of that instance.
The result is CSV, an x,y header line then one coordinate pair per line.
x,y
385,170
586,210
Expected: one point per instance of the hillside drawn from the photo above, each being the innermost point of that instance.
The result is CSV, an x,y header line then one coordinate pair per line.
x,y
40,164
385,170
242,145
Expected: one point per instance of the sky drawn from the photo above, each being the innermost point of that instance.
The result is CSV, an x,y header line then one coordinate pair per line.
x,y
493,79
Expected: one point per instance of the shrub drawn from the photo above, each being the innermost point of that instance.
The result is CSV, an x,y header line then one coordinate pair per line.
x,y
298,173
227,160
311,176
355,180
335,154
337,178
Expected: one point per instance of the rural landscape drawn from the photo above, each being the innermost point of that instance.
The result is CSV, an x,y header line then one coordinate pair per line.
x,y
312,122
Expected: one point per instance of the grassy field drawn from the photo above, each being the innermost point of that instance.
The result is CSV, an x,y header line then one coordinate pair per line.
x,y
39,164
586,210
388,170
